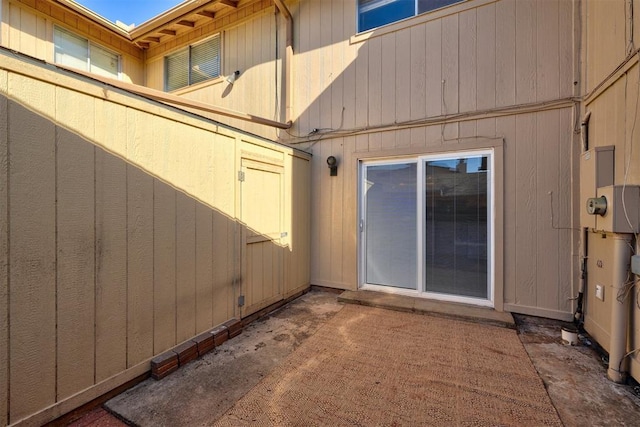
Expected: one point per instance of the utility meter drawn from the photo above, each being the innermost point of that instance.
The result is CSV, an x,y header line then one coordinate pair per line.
x,y
597,206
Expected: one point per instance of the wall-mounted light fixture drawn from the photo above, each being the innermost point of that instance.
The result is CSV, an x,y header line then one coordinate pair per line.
x,y
332,162
231,79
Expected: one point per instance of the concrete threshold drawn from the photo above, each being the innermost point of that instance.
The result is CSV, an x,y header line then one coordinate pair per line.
x,y
448,310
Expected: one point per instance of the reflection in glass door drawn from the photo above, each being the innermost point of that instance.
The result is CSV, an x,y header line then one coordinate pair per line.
x,y
426,226
391,238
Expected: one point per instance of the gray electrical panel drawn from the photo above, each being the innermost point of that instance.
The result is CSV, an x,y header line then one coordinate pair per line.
x,y
622,209
635,264
596,171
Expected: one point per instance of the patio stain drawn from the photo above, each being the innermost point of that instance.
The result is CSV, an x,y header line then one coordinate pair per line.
x,y
575,377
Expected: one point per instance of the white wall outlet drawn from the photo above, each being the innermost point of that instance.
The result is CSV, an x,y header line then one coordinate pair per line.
x,y
600,292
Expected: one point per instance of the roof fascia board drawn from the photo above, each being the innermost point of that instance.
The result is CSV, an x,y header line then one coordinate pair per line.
x,y
154,25
92,16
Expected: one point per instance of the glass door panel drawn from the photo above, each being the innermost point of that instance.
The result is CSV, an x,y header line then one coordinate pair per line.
x,y
391,225
456,245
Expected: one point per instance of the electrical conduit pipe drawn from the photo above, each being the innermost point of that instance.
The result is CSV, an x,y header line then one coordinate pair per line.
x,y
288,61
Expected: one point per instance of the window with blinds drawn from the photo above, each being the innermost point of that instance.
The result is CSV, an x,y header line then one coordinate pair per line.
x,y
193,64
376,13
428,225
78,52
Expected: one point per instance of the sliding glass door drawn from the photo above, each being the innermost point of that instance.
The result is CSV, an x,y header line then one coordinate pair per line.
x,y
391,227
456,243
426,226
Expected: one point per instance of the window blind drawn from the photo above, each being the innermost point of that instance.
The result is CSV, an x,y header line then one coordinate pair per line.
x,y
205,60
103,62
192,65
177,70
77,52
70,50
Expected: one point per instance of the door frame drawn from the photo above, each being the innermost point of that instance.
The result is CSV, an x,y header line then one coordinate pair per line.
x,y
271,165
494,246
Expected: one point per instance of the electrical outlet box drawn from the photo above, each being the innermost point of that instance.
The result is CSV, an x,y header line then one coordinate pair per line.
x,y
635,264
619,217
600,292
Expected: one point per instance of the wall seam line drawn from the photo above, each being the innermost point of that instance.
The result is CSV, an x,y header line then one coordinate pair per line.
x,y
175,269
153,269
8,255
195,268
126,204
95,261
55,166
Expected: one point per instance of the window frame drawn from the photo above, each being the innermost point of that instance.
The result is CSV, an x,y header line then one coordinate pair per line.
x,y
90,43
494,221
189,49
415,14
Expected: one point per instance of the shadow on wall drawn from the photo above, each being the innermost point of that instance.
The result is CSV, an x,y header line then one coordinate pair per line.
x,y
108,265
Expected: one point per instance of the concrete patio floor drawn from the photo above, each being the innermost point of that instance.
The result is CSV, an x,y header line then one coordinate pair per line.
x,y
202,391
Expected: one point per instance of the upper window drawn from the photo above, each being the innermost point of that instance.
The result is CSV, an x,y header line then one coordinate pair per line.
x,y
77,52
193,64
376,13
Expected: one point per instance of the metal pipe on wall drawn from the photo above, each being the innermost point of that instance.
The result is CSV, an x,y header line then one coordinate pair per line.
x,y
582,283
288,60
585,131
619,308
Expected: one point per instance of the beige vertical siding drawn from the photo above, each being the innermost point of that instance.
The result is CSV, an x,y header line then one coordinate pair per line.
x,y
29,33
204,268
249,47
538,274
4,261
225,266
28,27
297,260
111,265
605,39
125,235
443,62
614,116
164,261
75,295
186,269
628,116
139,266
470,58
32,257
611,85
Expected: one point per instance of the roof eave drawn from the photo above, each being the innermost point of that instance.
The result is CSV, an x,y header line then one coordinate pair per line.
x,y
89,14
164,18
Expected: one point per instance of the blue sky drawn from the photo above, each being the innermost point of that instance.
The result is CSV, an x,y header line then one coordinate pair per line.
x,y
129,11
